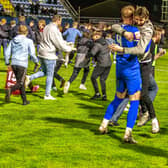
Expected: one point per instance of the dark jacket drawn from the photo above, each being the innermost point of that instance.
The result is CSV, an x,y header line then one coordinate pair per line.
x,y
30,33
4,31
83,47
101,53
38,36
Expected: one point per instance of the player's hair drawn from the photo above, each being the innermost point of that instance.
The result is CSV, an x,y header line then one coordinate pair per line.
x,y
56,18
127,11
142,12
23,30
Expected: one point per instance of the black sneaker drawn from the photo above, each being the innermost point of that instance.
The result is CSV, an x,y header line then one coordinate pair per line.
x,y
113,123
96,96
104,98
26,102
8,93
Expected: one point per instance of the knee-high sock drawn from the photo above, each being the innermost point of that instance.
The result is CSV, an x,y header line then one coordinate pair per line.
x,y
112,108
132,113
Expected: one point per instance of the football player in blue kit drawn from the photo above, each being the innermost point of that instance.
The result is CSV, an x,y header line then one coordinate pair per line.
x,y
128,77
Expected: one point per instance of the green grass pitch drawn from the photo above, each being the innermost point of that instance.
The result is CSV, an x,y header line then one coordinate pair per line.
x,y
64,133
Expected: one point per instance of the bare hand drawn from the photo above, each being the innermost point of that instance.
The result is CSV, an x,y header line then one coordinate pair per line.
x,y
129,36
116,48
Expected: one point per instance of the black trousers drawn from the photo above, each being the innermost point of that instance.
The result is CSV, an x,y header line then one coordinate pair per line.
x,y
76,72
56,75
103,73
145,101
20,74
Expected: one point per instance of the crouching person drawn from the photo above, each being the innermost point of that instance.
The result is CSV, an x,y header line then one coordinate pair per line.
x,y
19,49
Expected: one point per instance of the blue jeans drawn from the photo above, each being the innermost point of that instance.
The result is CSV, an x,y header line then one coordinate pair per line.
x,y
47,70
4,43
119,110
153,88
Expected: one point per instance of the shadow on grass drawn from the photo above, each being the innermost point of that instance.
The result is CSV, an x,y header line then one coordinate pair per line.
x,y
72,123
3,70
94,111
2,90
147,150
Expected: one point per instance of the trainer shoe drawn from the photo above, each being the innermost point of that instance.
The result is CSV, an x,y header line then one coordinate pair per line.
x,y
27,81
66,65
128,137
8,93
66,87
103,130
155,126
104,126
26,102
49,97
83,87
96,96
104,98
144,119
113,123
62,83
54,89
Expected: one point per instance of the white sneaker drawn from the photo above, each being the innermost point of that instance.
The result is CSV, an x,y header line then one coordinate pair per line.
x,y
66,65
83,87
103,130
128,137
155,126
54,89
27,81
49,97
66,87
144,119
104,126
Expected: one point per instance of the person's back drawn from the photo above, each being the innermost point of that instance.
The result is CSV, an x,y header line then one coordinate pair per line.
x,y
21,48
72,33
101,52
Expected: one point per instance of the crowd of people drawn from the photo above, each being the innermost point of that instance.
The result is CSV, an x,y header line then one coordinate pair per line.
x,y
136,42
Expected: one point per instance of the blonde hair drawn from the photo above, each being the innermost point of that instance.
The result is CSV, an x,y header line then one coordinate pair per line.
x,y
12,22
23,30
56,17
42,21
3,21
127,11
75,24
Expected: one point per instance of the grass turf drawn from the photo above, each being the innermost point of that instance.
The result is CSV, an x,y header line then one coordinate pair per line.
x,y
64,133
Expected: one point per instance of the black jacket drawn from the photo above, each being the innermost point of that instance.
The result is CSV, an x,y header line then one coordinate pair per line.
x,y
101,53
83,47
4,31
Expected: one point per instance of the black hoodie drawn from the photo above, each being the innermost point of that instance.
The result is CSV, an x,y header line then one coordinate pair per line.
x,y
101,52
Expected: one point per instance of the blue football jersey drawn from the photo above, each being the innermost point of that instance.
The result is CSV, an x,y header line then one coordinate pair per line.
x,y
127,59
